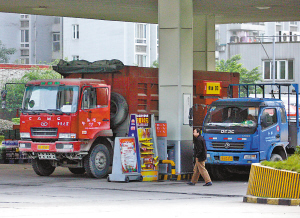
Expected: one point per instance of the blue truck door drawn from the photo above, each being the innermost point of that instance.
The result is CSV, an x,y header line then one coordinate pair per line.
x,y
270,130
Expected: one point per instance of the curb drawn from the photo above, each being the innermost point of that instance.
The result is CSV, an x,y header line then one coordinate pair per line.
x,y
273,201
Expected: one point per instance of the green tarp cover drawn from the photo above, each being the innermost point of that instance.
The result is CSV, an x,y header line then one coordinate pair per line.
x,y
83,66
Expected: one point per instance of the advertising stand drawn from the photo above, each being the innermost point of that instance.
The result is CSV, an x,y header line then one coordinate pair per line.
x,y
145,133
125,162
136,156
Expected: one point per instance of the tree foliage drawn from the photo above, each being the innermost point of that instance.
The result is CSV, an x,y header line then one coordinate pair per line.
x,y
155,64
233,65
5,52
15,91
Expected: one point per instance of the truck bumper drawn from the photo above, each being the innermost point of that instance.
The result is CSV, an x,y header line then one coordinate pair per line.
x,y
55,147
230,158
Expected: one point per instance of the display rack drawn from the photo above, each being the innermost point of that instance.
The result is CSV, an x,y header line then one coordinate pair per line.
x,y
148,146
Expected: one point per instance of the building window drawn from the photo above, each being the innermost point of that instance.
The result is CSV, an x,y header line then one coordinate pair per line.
x,y
75,57
140,33
24,52
56,41
56,20
24,38
284,70
140,60
75,31
24,60
24,23
24,16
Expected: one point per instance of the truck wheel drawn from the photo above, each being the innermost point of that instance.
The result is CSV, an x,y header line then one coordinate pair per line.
x,y
42,167
276,157
97,162
77,170
118,110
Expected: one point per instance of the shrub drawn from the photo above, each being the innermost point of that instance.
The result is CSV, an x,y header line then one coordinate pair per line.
x,y
1,138
16,120
292,163
297,150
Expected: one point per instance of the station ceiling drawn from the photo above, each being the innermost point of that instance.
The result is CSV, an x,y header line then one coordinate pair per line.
x,y
146,11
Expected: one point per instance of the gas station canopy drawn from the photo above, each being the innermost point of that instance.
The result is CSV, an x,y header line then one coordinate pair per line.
x,y
146,11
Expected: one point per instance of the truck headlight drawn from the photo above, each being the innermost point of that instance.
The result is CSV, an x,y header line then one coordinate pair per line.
x,y
24,145
24,134
250,157
64,146
67,135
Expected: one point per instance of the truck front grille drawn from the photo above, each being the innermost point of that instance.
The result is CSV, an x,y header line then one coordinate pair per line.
x,y
228,145
44,131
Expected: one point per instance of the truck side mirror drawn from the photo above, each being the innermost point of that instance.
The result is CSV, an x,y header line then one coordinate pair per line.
x,y
191,117
3,98
191,113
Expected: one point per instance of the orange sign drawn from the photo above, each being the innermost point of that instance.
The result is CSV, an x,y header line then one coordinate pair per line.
x,y
161,129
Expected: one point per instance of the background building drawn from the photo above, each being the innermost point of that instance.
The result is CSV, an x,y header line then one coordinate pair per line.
x,y
254,42
42,39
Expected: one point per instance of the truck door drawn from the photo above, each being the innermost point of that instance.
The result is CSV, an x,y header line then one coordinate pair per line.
x,y
270,130
94,113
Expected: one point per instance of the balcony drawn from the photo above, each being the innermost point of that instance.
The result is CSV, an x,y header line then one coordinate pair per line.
x,y
246,27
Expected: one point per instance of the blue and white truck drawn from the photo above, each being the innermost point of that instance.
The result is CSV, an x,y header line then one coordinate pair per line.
x,y
245,130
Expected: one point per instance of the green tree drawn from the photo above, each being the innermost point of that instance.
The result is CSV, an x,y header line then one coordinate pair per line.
x,y
233,65
15,91
155,64
5,52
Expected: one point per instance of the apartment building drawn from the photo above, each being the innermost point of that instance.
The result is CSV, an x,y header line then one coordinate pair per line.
x,y
42,39
258,42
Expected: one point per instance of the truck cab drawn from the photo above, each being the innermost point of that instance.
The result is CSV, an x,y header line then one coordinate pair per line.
x,y
63,121
241,131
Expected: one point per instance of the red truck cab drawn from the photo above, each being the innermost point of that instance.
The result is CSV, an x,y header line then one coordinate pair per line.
x,y
60,122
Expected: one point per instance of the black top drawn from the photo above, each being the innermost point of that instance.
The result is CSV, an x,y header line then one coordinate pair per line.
x,y
200,148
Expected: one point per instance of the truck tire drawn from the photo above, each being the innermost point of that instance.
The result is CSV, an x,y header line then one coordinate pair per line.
x,y
77,170
97,162
118,110
276,157
42,167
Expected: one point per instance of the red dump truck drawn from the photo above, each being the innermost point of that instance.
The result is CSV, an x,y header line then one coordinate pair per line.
x,y
72,122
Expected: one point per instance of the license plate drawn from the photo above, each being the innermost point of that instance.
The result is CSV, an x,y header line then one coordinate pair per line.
x,y
226,158
47,156
43,147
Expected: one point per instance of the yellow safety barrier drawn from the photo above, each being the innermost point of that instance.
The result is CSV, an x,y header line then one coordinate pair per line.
x,y
173,172
268,182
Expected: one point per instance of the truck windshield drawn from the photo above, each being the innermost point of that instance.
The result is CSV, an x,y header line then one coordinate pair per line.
x,y
51,99
232,116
